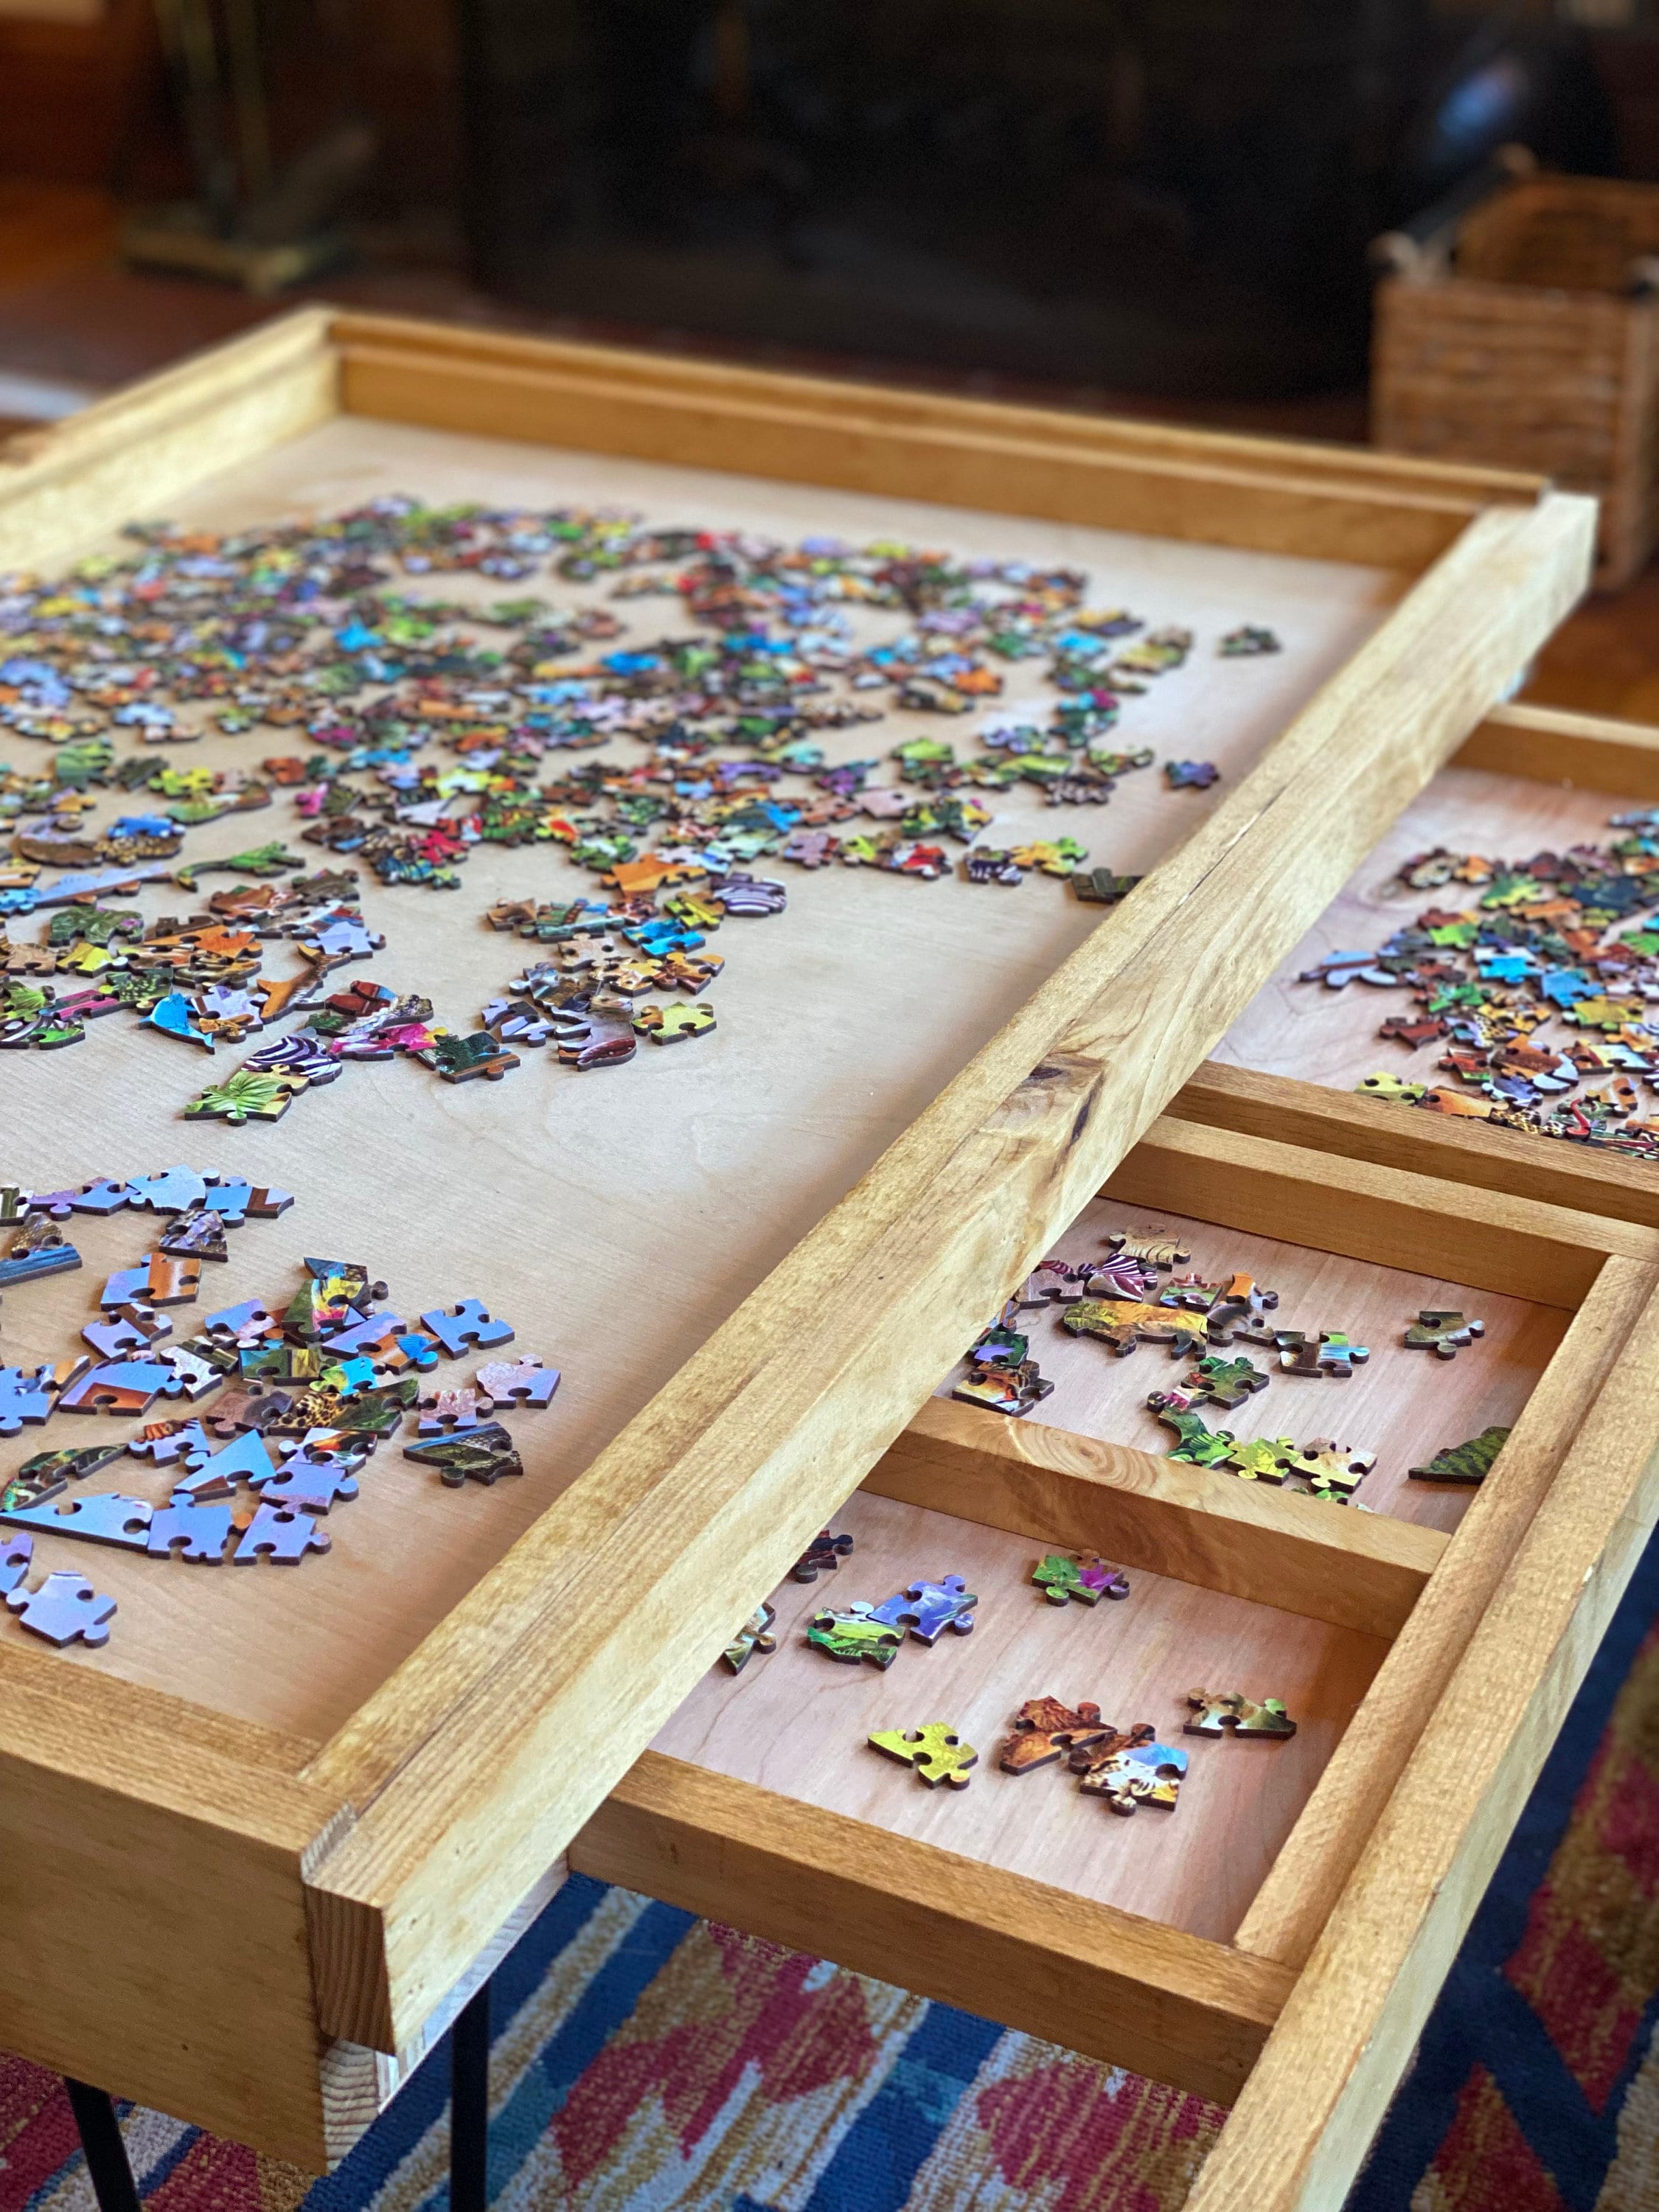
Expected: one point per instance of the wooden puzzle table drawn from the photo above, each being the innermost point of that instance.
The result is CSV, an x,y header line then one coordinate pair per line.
x,y
268,1842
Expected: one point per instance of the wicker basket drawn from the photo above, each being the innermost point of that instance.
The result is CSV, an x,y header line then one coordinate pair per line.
x,y
1526,333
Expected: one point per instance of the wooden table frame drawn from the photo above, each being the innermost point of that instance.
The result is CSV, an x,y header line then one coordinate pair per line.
x,y
172,1860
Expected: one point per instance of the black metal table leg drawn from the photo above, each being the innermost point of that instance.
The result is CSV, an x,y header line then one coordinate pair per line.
x,y
107,2154
468,2107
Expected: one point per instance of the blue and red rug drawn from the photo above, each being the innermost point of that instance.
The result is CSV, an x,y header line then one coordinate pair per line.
x,y
646,2061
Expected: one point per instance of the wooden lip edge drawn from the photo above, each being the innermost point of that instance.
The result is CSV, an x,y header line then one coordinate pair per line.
x,y
1357,1571
1586,753
1383,1198
352,330
786,411
1196,2010
1576,1178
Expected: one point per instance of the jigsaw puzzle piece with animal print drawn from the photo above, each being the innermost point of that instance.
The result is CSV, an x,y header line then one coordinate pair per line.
x,y
935,1752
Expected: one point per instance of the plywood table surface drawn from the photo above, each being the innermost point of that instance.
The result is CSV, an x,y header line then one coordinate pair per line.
x,y
795,1722
1403,1406
614,1217
1330,1036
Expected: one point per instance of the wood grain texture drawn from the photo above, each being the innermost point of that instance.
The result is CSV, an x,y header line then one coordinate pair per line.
x,y
1591,752
1359,1570
1485,1239
1274,498
1582,1178
131,456
1104,1983
1400,1405
713,1488
1294,1903
796,1721
1348,2029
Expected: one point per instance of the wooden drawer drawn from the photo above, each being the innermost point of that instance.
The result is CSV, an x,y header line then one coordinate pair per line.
x,y
1527,780
346,1789
1278,1938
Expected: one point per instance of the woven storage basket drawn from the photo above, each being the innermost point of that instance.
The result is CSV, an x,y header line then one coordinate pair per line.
x,y
1527,339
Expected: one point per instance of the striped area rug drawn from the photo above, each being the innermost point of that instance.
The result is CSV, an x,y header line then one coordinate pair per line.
x,y
646,2061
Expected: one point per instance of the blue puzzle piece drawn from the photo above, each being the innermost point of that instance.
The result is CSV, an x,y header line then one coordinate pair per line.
x,y
928,1609
190,1531
64,1607
106,1195
105,1517
247,1460
467,1324
174,1192
15,1552
25,1267
23,1397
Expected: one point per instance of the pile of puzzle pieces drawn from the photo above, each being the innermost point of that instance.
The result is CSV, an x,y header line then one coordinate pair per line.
x,y
309,627
1133,1296
1533,983
293,1400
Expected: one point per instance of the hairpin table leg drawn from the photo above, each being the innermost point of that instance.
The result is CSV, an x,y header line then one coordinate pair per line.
x,y
107,2154
468,2107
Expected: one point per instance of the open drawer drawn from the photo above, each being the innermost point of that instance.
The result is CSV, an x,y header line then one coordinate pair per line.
x,y
751,1257
1576,792
1279,1935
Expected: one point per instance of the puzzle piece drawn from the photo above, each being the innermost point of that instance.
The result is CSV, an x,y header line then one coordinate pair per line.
x,y
246,1459
197,1367
162,1442
186,1530
936,1753
1083,1576
105,1517
443,1411
46,1475
928,1609
483,1455
460,1059
1122,1323
1191,775
1003,1390
756,1635
125,1386
311,1484
1329,1354
129,1328
1100,887
1234,1714
672,1024
1142,1773
854,1634
1046,1731
39,1249
1468,1463
1262,1458
1151,1246
464,1325
1442,1331
243,1321
1196,1443
821,1556
1332,1470
1227,1383
64,1606
175,1191
516,1382
199,1236
283,1537
1051,1282
233,1198
23,1397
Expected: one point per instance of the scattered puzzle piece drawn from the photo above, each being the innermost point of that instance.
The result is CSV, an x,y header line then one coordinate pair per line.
x,y
105,1517
1329,1354
122,1387
482,1455
516,1382
1151,1246
16,1553
1143,1773
1466,1463
1047,1731
283,1537
1442,1332
928,1609
186,1530
1227,1383
936,1752
64,1607
756,1635
1234,1714
466,1325
854,1634
1083,1576
821,1556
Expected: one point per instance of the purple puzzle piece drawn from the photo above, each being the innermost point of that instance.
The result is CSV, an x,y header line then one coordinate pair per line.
x,y
182,1440
190,1531
23,1397
65,1606
105,1517
247,1460
15,1552
928,1609
283,1537
518,1382
310,1486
